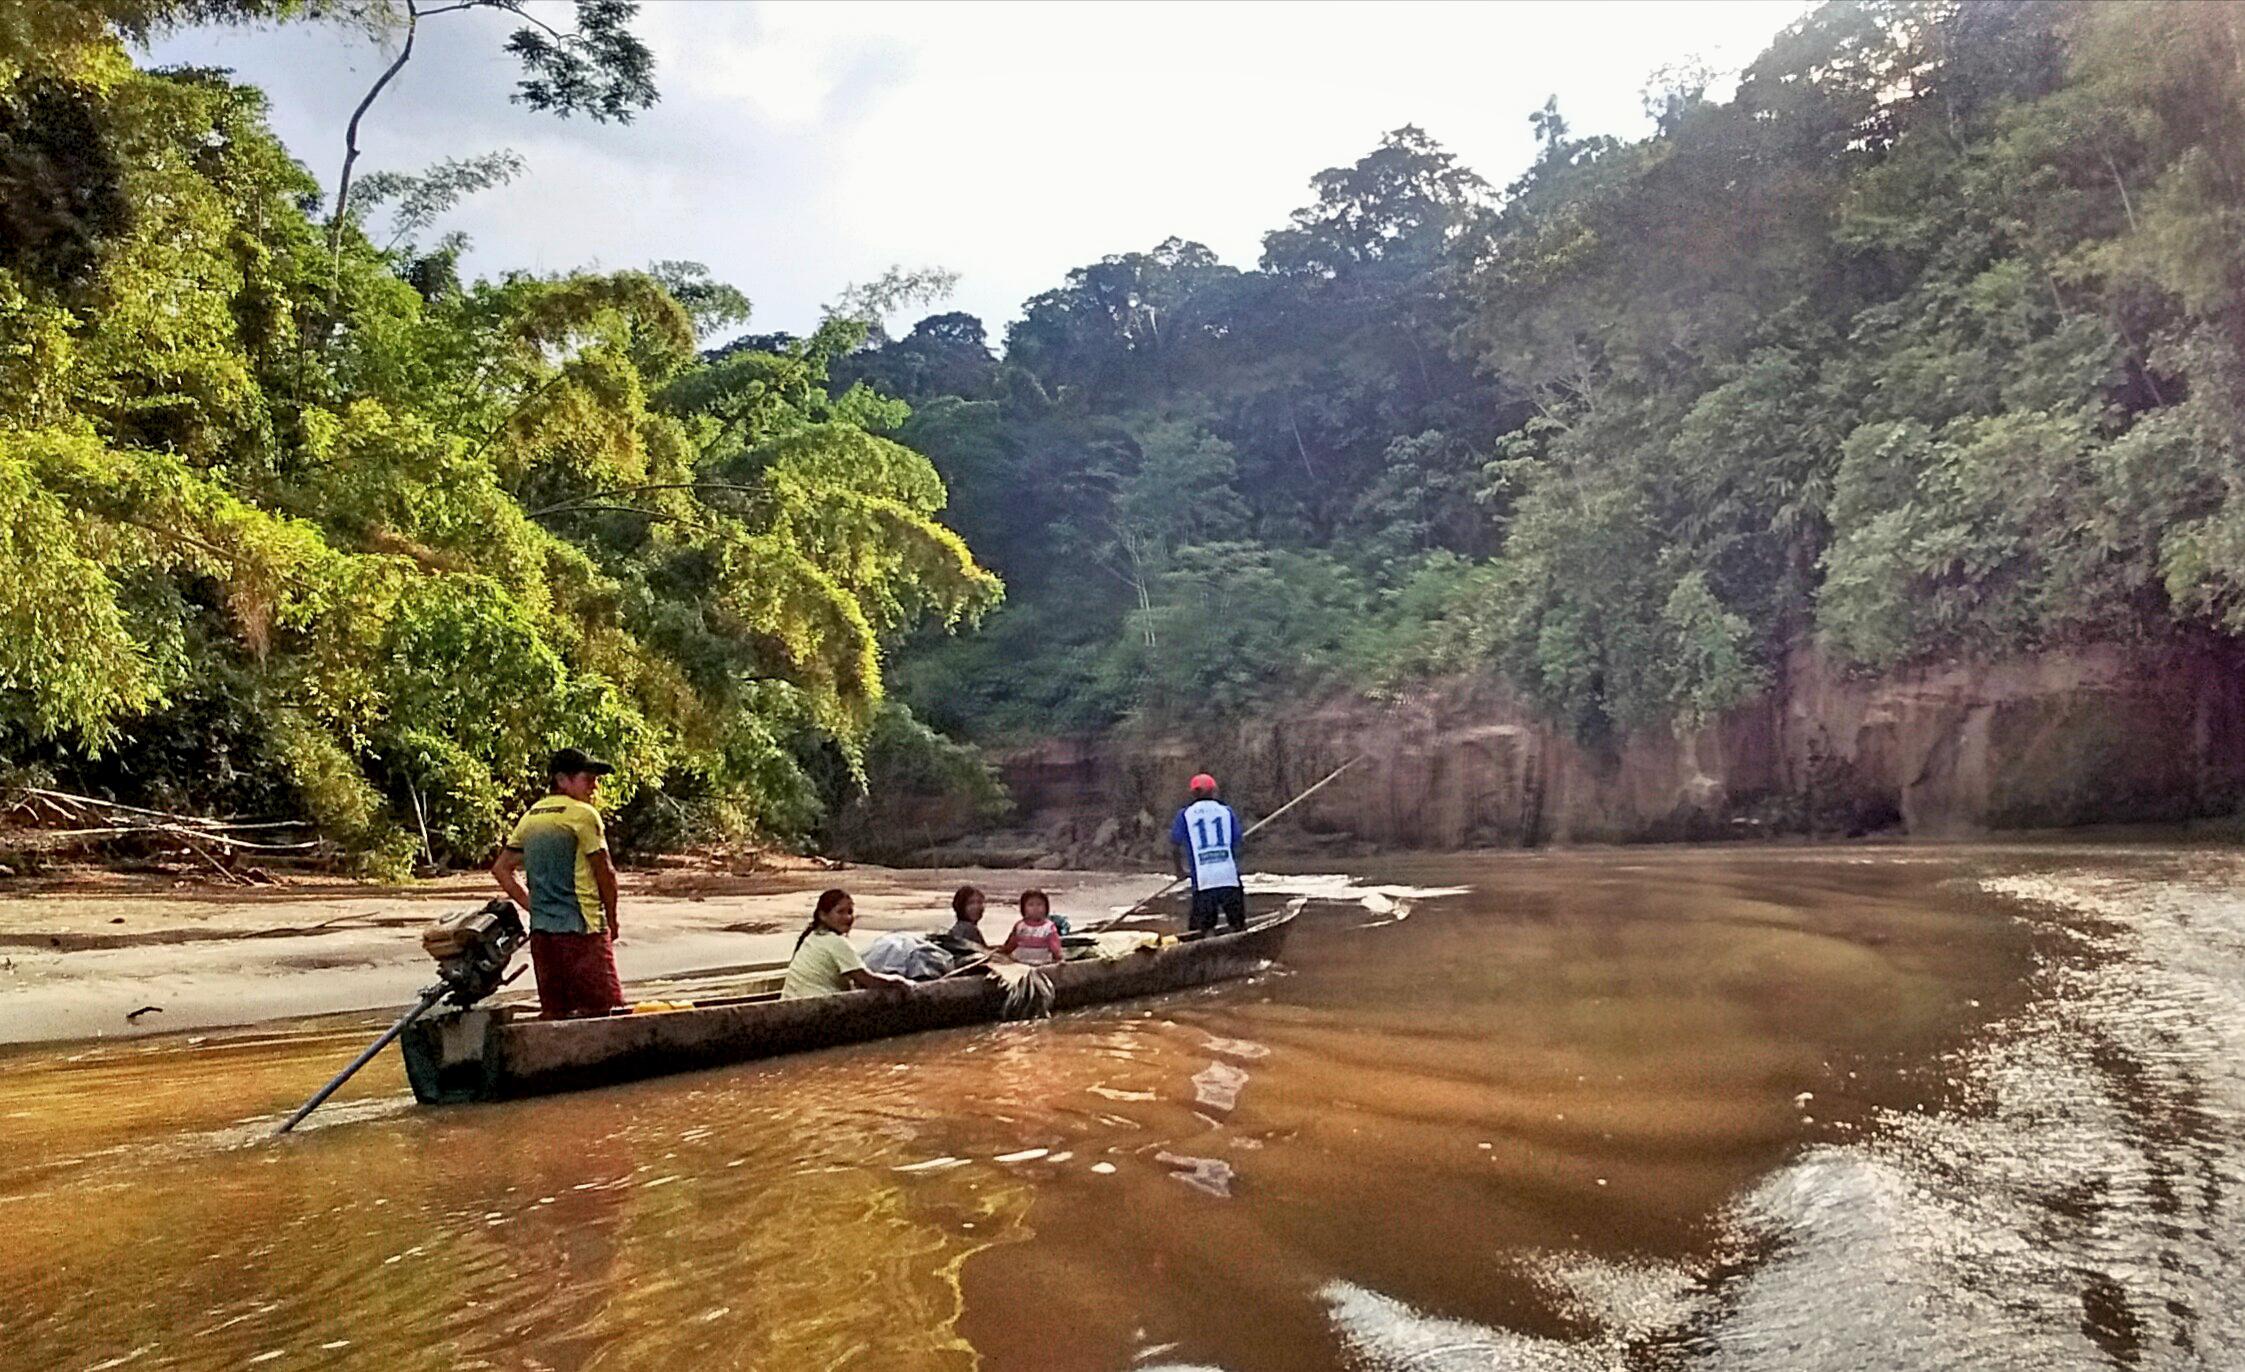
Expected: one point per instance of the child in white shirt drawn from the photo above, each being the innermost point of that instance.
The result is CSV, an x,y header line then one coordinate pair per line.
x,y
1035,940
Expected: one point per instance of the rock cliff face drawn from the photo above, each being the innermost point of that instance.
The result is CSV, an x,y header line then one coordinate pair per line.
x,y
2098,734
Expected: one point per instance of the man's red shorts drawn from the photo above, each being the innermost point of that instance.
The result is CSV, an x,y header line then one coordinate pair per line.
x,y
576,974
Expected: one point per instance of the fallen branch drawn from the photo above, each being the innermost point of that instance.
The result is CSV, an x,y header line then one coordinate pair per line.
x,y
307,846
177,834
56,800
219,867
58,811
293,930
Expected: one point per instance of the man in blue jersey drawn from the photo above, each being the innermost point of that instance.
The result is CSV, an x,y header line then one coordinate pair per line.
x,y
1205,840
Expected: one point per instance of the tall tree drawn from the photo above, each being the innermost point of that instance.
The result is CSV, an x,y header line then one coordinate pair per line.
x,y
369,584
598,68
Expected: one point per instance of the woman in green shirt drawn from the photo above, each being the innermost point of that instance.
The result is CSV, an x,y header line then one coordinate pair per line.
x,y
824,963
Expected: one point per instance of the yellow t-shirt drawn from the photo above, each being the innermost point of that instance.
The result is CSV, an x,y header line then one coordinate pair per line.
x,y
820,966
557,838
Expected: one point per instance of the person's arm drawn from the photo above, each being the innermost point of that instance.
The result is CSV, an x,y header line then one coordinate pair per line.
x,y
1052,942
854,973
604,879
1177,841
1005,950
506,869
866,979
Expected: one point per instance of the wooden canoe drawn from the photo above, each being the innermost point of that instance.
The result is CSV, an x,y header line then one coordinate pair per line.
x,y
494,1054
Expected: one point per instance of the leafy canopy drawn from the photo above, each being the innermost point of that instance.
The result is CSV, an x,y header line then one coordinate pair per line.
x,y
391,536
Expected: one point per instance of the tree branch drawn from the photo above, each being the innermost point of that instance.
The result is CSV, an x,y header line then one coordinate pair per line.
x,y
516,413
351,145
180,535
532,18
567,505
1300,447
712,530
2120,183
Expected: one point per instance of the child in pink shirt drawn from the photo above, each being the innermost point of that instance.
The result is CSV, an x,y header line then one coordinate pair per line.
x,y
1035,941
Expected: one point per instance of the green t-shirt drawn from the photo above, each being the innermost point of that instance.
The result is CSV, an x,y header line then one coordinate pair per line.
x,y
557,839
820,966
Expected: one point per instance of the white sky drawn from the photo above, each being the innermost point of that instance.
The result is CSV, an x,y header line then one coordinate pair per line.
x,y
801,146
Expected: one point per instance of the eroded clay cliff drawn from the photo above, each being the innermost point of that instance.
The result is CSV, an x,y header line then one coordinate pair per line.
x,y
2097,734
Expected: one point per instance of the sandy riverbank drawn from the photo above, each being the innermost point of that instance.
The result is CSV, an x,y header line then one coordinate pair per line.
x,y
77,958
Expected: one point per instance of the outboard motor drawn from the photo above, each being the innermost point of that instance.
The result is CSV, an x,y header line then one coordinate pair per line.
x,y
472,952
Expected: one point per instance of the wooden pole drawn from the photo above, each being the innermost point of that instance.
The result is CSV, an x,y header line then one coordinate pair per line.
x,y
428,998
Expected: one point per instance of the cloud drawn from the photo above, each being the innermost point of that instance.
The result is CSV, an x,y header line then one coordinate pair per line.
x,y
799,147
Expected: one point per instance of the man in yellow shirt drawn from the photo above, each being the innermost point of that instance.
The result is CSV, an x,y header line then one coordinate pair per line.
x,y
561,846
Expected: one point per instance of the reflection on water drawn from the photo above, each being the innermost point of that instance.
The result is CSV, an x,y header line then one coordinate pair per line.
x,y
1744,1108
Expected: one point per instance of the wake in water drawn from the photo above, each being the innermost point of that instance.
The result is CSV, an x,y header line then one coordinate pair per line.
x,y
2084,1212
1388,904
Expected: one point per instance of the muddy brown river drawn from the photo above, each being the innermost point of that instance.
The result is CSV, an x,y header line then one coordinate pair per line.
x,y
1733,1108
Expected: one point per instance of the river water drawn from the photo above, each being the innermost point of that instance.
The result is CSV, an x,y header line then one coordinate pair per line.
x,y
1724,1109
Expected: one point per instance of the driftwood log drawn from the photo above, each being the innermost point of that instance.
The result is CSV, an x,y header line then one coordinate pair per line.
x,y
50,819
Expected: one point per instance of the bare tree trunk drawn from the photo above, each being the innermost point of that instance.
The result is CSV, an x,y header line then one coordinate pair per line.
x,y
2127,206
421,817
351,138
1145,596
1418,354
2137,355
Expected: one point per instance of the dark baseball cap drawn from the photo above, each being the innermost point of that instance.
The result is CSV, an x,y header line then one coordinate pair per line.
x,y
568,762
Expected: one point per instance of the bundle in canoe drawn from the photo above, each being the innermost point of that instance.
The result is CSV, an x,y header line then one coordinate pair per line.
x,y
488,1054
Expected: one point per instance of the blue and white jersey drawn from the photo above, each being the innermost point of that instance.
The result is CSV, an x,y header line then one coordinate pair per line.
x,y
1208,830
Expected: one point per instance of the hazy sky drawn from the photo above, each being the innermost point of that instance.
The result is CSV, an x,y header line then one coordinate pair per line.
x,y
801,146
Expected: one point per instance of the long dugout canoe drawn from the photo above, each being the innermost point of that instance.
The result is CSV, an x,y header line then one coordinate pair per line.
x,y
491,1054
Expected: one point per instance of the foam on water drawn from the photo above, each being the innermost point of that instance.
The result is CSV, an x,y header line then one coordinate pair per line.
x,y
1340,886
1218,1085
2083,1211
2086,1213
1385,1335
1378,898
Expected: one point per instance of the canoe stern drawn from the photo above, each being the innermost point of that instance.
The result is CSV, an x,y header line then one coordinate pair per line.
x,y
454,1058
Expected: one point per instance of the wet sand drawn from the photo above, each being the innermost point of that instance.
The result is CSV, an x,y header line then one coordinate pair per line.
x,y
75,963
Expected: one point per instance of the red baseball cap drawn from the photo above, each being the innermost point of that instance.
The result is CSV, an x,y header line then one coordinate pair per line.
x,y
1201,782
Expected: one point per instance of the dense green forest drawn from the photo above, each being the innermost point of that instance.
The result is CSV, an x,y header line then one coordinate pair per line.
x,y
1924,341
293,520
1926,338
